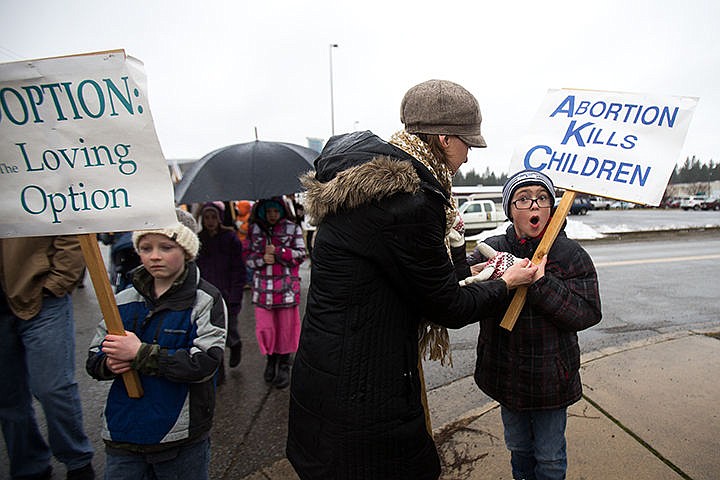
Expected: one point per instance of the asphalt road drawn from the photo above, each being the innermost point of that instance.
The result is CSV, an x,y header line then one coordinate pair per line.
x,y
650,284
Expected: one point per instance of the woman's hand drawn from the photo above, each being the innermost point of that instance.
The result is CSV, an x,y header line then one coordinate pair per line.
x,y
477,268
522,273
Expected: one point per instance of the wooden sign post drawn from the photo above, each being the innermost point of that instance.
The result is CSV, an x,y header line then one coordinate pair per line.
x,y
108,306
551,233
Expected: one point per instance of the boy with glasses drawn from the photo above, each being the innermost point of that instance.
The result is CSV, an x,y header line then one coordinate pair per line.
x,y
533,370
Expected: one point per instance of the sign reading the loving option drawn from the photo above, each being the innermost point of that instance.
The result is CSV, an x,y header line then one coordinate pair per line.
x,y
613,144
78,148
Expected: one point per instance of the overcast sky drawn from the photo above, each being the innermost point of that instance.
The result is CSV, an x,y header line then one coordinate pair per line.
x,y
219,69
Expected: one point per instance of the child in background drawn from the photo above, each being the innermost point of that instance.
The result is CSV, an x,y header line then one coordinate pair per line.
x,y
221,263
175,335
276,251
533,370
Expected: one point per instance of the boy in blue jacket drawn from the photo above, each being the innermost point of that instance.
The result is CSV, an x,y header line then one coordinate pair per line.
x,y
175,335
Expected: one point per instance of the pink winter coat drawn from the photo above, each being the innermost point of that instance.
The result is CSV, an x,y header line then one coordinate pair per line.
x,y
276,285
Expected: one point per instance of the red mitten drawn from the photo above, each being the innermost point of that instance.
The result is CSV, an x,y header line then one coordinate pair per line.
x,y
500,262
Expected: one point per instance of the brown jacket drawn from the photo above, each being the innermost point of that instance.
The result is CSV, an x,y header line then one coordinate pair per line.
x,y
29,264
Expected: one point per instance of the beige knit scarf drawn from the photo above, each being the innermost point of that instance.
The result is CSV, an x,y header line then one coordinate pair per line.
x,y
433,339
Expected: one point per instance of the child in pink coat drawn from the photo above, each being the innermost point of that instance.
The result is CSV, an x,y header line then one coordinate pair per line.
x,y
277,249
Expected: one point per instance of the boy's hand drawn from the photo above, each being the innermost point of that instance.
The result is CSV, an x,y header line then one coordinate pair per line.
x,y
541,269
118,367
121,348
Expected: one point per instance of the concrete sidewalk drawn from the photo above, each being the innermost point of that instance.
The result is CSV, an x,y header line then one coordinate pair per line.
x,y
650,411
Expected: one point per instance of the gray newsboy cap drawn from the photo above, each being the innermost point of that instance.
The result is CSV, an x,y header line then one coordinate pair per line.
x,y
441,107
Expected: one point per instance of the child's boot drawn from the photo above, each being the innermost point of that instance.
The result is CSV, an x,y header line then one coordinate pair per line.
x,y
270,367
282,379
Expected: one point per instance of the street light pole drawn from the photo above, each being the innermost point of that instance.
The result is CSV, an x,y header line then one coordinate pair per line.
x,y
332,100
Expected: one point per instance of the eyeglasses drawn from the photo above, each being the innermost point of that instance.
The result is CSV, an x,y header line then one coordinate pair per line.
x,y
525,203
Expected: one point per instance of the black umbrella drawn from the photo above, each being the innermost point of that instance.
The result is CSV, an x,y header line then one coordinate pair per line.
x,y
246,171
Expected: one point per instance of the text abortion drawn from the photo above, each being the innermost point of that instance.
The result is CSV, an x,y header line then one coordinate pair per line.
x,y
86,100
584,131
28,103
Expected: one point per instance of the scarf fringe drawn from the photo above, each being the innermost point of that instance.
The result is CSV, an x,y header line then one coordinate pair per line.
x,y
434,343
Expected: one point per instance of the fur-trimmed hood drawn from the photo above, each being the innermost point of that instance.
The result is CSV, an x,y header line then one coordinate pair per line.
x,y
357,168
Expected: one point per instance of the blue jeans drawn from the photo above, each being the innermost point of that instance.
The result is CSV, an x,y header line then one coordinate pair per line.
x,y
190,461
38,359
536,440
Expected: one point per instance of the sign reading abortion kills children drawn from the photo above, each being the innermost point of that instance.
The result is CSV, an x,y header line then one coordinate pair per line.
x,y
78,148
614,144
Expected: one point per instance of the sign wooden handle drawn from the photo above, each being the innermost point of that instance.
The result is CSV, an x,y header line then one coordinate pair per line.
x,y
106,299
423,397
551,233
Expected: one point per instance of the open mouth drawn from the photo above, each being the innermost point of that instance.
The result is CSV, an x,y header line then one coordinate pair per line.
x,y
534,220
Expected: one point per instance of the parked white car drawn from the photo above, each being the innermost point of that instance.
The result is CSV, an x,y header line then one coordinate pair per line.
x,y
620,205
479,215
601,203
693,202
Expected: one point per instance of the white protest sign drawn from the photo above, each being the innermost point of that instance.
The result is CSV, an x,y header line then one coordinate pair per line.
x,y
614,144
78,148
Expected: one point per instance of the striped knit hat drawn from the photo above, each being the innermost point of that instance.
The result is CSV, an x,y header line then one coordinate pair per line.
x,y
525,178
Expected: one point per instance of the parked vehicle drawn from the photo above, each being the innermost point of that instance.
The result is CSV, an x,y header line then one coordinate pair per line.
x,y
581,206
620,205
712,203
693,202
479,215
670,202
600,203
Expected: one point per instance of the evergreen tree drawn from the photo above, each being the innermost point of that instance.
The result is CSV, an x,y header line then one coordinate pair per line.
x,y
693,170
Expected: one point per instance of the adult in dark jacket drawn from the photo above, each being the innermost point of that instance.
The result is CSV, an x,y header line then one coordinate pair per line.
x,y
534,371
381,270
221,263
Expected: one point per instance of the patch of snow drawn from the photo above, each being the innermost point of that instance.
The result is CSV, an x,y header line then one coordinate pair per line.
x,y
574,229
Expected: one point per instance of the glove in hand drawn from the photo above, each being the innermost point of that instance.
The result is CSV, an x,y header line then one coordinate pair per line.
x,y
494,268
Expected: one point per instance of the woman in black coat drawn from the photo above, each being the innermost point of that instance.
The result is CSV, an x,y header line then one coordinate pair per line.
x,y
382,277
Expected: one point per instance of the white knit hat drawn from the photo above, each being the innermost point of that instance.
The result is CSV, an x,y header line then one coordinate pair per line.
x,y
183,233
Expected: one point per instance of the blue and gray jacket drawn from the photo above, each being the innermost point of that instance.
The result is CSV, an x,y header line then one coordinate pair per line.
x,y
183,336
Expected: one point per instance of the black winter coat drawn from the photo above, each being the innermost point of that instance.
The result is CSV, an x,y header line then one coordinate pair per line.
x,y
379,266
537,365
